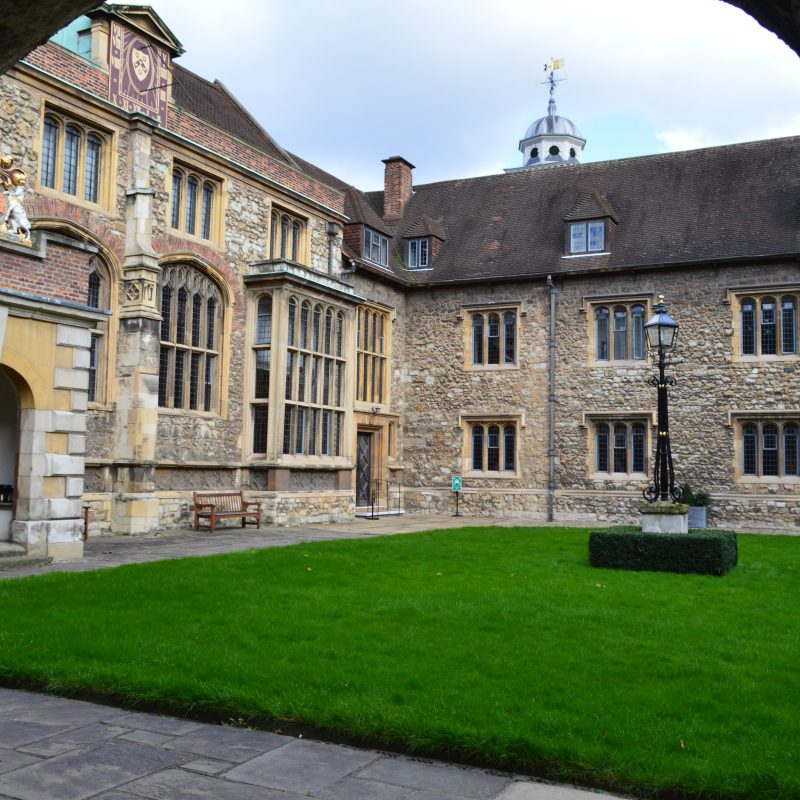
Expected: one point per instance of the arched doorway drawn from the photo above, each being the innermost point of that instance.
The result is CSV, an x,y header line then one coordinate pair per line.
x,y
9,445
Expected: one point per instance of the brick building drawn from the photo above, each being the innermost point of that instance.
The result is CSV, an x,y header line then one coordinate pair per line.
x,y
199,308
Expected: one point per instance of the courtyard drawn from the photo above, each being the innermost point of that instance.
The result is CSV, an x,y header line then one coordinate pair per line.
x,y
493,646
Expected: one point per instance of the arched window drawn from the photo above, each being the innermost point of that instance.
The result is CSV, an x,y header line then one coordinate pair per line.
x,y
305,319
620,333
750,450
789,325
493,339
98,295
477,448
748,328
292,322
329,331
601,447
339,333
372,356
601,319
769,342
509,337
316,328
790,455
193,208
477,339
637,334
620,448
72,157
190,348
769,456
493,447
296,229
264,320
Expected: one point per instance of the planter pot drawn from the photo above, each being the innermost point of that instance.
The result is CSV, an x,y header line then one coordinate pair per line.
x,y
698,517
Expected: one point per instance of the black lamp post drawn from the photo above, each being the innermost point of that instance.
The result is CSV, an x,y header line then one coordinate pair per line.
x,y
662,333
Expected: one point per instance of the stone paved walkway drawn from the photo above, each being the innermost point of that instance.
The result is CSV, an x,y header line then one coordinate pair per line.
x,y
57,749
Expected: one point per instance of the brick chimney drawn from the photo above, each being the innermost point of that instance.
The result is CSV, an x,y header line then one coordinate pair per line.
x,y
396,187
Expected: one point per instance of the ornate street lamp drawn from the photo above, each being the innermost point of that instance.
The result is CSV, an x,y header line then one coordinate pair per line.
x,y
662,333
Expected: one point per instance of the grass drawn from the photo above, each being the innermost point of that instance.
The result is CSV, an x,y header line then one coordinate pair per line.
x,y
497,646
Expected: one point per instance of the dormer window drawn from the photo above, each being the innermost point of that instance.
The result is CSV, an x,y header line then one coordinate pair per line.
x,y
588,236
418,254
376,248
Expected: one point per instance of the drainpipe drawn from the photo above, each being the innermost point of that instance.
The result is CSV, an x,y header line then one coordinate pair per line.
x,y
551,403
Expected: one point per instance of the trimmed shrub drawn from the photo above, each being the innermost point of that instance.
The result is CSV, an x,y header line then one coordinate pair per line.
x,y
627,547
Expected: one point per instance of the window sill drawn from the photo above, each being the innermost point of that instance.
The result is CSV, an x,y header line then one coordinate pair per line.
x,y
767,359
73,199
588,255
768,480
191,237
188,412
490,367
619,476
626,363
504,475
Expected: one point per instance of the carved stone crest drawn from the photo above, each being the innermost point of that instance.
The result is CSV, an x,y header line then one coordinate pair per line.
x,y
14,220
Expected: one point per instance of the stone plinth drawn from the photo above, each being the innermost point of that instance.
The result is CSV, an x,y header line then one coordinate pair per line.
x,y
664,517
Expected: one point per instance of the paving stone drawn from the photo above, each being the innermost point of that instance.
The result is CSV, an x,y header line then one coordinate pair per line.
x,y
435,777
177,784
523,790
77,737
361,789
229,744
11,759
208,766
146,737
84,773
12,699
301,766
63,713
157,723
14,733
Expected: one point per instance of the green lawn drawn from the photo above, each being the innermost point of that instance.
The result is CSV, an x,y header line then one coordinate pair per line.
x,y
498,646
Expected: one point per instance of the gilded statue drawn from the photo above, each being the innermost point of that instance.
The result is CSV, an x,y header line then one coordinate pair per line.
x,y
14,220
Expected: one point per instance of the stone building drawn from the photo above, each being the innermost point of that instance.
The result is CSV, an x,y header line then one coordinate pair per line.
x,y
198,308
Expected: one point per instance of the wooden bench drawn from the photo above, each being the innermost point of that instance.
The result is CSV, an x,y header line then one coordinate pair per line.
x,y
215,506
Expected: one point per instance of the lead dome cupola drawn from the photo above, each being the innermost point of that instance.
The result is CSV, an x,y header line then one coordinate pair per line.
x,y
551,139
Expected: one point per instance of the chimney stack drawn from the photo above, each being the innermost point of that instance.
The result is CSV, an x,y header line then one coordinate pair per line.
x,y
397,189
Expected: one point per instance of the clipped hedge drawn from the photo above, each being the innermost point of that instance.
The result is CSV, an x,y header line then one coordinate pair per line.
x,y
700,551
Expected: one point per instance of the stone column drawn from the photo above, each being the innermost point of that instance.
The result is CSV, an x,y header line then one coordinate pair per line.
x,y
136,507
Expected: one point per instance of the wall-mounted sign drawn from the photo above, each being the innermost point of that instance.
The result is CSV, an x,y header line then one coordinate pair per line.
x,y
139,74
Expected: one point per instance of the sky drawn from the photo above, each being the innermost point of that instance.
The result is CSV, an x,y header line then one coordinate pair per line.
x,y
452,85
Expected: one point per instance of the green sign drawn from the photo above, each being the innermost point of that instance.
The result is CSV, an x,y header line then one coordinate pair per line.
x,y
456,483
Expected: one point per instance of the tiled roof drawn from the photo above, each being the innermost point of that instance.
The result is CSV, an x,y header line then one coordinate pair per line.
x,y
733,202
213,103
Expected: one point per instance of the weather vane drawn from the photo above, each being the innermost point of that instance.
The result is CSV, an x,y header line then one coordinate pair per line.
x,y
555,63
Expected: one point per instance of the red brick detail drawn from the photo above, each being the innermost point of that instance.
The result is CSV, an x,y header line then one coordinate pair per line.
x,y
228,146
46,212
64,274
70,67
353,237
397,187
168,244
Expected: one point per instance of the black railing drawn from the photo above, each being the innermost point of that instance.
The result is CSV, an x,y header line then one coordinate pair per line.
x,y
385,495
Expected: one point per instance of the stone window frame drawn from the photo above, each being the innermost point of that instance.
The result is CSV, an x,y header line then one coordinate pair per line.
x,y
470,313
60,121
738,296
469,423
206,225
759,422
373,356
263,306
594,421
592,304
193,338
315,368
288,234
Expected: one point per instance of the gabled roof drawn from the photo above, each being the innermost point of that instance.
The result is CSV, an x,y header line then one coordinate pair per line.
x,y
359,209
424,226
740,201
213,103
144,20
592,205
